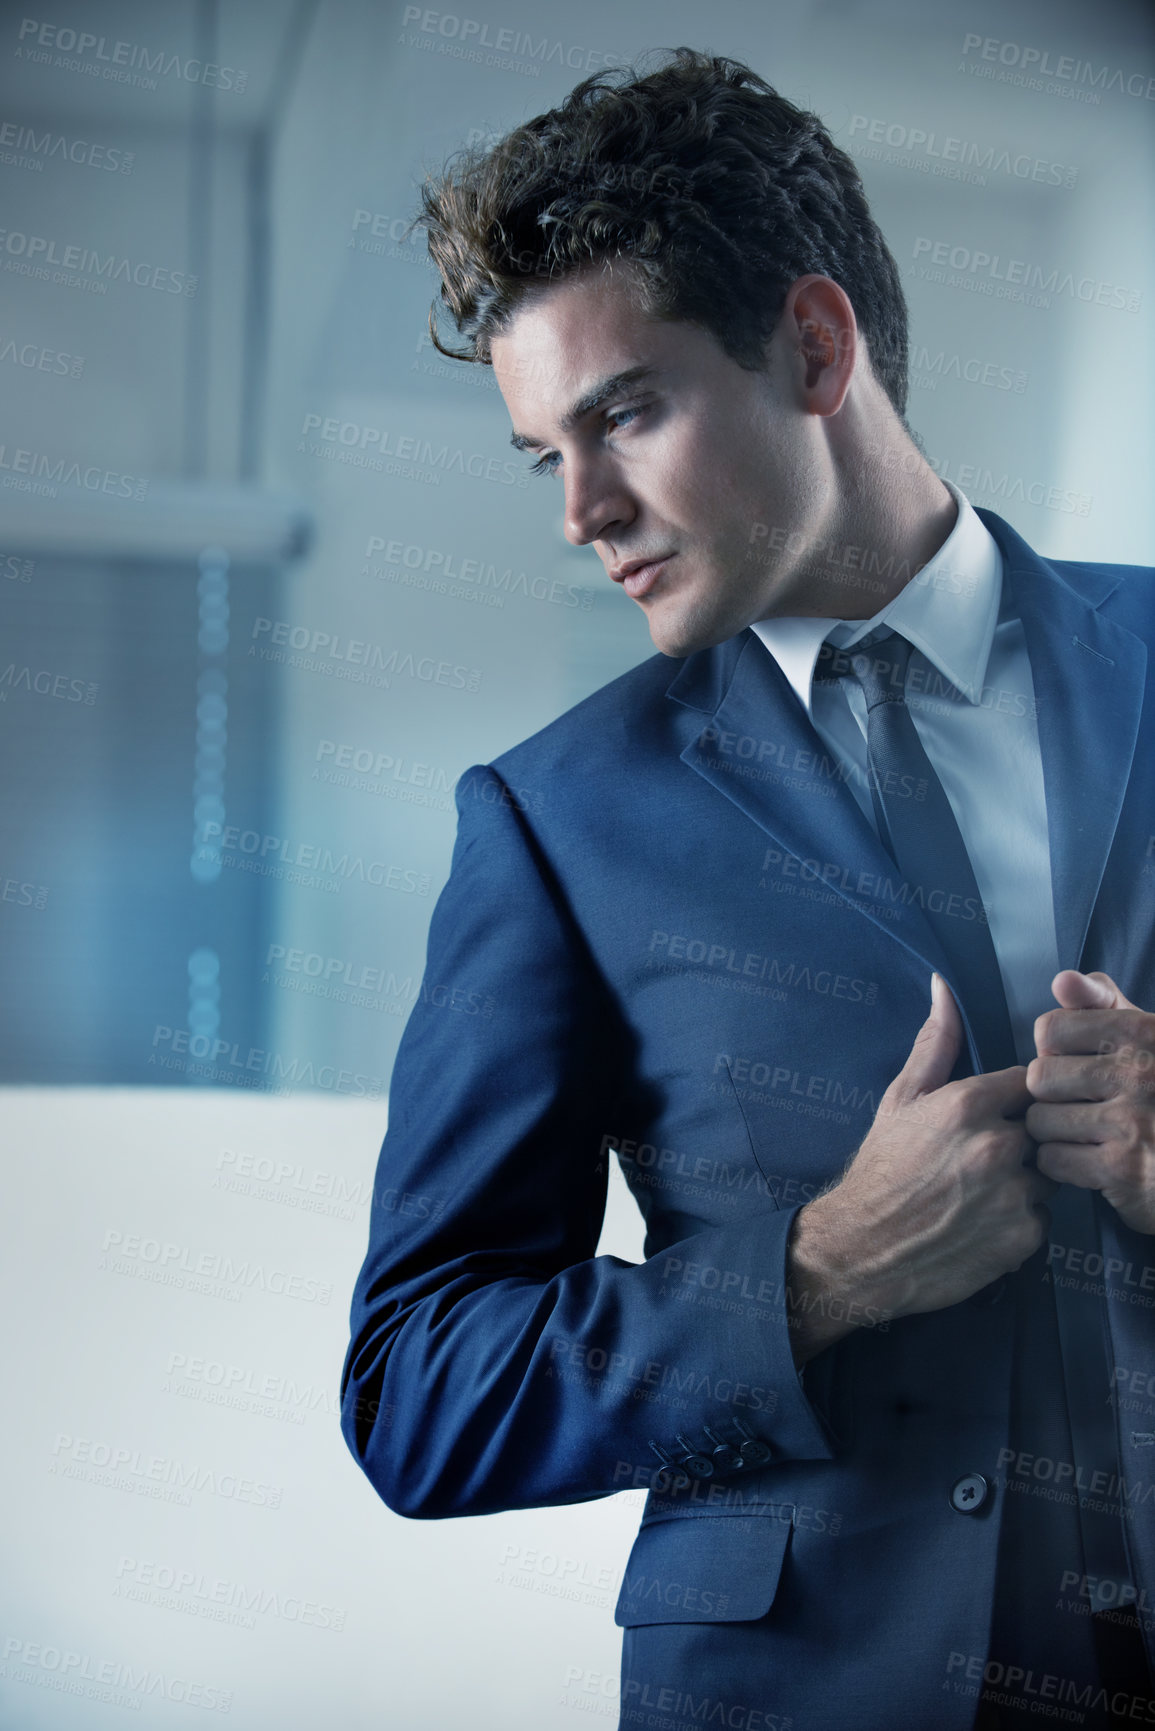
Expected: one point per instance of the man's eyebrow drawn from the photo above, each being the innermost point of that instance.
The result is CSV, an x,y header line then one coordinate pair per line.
x,y
600,394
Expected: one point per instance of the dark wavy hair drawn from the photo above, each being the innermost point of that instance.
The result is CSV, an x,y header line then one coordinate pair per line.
x,y
716,189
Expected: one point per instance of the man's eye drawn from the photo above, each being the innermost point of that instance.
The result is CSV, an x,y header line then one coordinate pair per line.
x,y
615,417
549,462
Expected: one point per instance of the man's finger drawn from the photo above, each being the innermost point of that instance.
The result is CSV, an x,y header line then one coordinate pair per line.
x,y
1070,1033
1076,1163
936,1046
1007,1091
1077,1123
1058,1080
1075,991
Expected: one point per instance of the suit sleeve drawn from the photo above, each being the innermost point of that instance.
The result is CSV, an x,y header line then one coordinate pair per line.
x,y
495,1361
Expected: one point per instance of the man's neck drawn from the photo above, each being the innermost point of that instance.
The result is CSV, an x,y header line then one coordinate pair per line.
x,y
893,517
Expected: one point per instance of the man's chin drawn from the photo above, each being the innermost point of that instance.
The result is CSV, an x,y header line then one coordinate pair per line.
x,y
681,637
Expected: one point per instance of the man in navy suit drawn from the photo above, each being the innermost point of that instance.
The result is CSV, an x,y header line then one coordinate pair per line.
x,y
885,1367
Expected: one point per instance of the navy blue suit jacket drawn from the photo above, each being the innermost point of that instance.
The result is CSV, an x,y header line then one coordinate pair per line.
x,y
670,937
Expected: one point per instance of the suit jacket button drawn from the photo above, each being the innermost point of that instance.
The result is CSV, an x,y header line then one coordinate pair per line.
x,y
754,1452
700,1466
969,1493
670,1481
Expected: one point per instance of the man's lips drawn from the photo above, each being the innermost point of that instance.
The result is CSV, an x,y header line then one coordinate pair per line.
x,y
637,576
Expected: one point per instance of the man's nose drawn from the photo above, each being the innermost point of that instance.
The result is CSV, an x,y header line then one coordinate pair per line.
x,y
596,502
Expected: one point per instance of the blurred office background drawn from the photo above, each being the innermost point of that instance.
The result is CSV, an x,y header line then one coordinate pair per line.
x,y
270,579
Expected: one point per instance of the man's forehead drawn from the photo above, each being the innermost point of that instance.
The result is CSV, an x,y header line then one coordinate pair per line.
x,y
569,385
564,337
569,350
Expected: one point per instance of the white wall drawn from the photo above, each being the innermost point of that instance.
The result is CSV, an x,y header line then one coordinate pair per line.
x,y
182,1509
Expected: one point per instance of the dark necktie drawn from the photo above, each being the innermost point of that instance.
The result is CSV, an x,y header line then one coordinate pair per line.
x,y
918,828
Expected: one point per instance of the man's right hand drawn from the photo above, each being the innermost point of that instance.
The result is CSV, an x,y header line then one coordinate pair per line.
x,y
936,1203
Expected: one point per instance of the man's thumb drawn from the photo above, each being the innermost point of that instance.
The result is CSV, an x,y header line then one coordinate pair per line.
x,y
936,1046
1076,991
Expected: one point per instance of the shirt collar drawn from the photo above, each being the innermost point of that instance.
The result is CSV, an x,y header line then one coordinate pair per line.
x,y
949,610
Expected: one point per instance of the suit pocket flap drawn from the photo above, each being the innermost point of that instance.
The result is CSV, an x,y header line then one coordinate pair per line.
x,y
704,1569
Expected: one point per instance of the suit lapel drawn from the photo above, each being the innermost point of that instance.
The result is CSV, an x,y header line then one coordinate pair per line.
x,y
1088,675
757,747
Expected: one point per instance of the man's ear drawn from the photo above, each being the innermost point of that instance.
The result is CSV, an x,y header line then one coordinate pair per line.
x,y
818,324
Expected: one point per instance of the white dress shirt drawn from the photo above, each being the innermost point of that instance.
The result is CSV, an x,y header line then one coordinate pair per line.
x,y
971,697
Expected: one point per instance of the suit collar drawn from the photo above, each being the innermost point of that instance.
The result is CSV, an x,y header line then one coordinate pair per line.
x,y
760,751
948,608
1092,584
703,678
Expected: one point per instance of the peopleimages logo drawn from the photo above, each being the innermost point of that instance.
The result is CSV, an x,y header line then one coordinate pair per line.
x,y
953,157
226,1062
375,448
1035,64
120,62
467,38
115,1682
179,1588
34,254
36,358
24,147
353,657
42,472
1019,274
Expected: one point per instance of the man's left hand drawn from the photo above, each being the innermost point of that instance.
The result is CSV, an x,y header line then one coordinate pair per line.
x,y
1093,1082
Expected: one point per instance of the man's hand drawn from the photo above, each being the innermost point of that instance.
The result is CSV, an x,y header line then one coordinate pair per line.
x,y
1093,1084
937,1202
